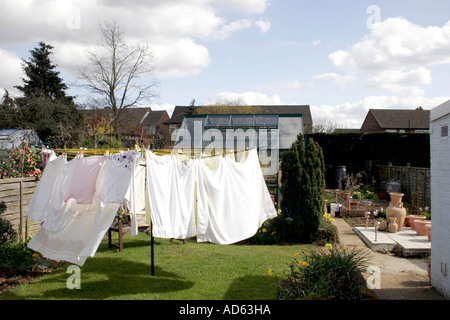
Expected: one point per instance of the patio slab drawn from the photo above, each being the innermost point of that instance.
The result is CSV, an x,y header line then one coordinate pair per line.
x,y
406,241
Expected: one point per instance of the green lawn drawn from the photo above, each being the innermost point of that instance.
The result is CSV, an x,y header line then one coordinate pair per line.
x,y
191,271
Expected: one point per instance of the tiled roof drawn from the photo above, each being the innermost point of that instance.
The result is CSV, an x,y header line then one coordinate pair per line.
x,y
402,118
304,110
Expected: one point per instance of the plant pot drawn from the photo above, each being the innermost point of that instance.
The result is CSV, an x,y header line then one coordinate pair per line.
x,y
383,225
393,225
428,230
396,210
413,220
408,219
420,226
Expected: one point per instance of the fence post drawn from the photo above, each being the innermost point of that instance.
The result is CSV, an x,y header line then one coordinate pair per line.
x,y
21,209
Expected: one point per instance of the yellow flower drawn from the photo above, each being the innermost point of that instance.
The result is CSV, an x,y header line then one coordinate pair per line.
x,y
269,271
279,210
329,246
296,254
35,255
303,263
264,230
331,220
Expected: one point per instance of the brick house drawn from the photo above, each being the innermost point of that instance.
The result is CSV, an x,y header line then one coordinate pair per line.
x,y
396,120
440,201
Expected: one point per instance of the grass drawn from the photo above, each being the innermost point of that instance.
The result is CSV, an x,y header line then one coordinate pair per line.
x,y
191,271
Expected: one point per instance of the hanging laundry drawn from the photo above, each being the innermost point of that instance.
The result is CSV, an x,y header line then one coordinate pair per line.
x,y
118,184
85,226
82,185
137,204
233,200
171,189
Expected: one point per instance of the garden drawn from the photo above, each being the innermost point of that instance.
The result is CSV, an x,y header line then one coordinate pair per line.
x,y
287,259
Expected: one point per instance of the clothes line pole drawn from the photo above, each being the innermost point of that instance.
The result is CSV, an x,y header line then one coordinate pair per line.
x,y
152,246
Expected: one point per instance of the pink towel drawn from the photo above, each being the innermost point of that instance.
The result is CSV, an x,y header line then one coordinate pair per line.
x,y
83,182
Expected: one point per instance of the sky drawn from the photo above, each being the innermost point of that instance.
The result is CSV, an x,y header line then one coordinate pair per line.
x,y
341,58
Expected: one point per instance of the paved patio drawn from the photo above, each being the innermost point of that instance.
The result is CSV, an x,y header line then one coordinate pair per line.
x,y
406,242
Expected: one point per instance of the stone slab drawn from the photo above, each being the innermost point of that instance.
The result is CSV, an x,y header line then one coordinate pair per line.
x,y
406,241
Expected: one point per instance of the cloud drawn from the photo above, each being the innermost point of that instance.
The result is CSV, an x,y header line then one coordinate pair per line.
x,y
396,43
316,43
341,80
352,114
263,25
179,31
250,98
11,69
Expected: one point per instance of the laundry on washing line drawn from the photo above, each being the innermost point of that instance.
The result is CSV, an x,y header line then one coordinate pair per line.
x,y
74,220
217,199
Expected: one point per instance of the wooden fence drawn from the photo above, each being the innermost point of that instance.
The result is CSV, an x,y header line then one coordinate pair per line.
x,y
415,181
17,193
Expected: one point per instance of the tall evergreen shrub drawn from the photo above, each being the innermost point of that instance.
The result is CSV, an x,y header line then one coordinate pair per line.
x,y
303,184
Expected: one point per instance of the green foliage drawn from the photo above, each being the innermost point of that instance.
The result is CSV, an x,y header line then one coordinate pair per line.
x,y
355,150
326,233
330,274
267,234
104,142
302,189
15,255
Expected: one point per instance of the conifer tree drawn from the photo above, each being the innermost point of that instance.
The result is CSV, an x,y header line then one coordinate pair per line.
x,y
303,184
44,105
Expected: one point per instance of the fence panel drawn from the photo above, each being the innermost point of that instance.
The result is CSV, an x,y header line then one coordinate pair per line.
x,y
17,193
415,181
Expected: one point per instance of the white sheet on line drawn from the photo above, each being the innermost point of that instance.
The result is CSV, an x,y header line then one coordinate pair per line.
x,y
171,191
233,200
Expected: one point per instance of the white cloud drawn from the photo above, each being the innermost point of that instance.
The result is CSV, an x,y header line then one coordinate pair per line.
x,y
178,30
248,6
396,43
250,98
316,43
341,80
263,25
11,70
180,58
352,114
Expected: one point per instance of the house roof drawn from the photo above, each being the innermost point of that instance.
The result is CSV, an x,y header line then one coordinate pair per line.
x,y
154,118
402,118
130,118
180,111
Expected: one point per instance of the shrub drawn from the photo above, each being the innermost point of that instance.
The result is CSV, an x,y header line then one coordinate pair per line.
x,y
266,235
16,256
25,161
326,233
333,273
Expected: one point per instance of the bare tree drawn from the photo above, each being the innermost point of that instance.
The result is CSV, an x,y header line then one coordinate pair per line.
x,y
116,70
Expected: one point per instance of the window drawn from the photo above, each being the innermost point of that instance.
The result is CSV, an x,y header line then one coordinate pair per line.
x,y
444,131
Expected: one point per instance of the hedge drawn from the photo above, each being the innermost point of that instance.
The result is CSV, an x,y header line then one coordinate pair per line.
x,y
362,151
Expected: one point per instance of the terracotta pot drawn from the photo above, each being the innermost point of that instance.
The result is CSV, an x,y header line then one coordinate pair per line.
x,y
408,219
414,219
393,226
396,209
383,225
428,230
420,226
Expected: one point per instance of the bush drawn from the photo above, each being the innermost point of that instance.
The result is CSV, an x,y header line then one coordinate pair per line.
x,y
25,162
330,274
266,235
16,256
327,232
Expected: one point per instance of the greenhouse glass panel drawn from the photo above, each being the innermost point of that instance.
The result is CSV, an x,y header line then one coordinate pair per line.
x,y
266,120
289,128
217,120
242,120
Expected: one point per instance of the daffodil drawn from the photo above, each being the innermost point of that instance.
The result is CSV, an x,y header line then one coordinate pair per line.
x,y
269,271
264,230
296,254
329,246
303,263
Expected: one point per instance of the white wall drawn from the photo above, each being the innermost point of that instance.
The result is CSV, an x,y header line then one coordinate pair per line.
x,y
440,199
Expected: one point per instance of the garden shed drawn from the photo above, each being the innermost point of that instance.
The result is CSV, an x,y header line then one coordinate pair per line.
x,y
440,201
